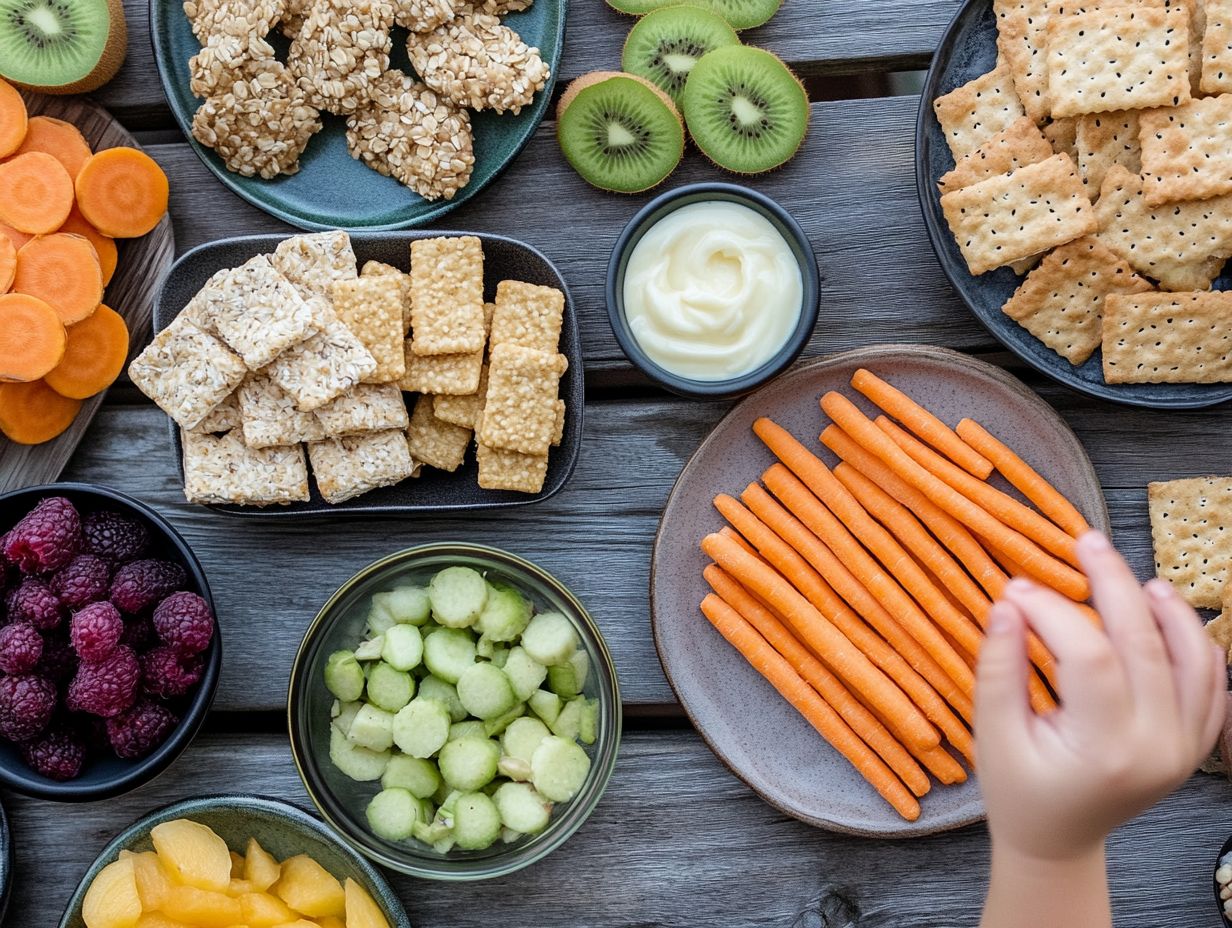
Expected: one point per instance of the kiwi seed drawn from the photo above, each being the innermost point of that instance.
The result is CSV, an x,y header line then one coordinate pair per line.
x,y
741,14
665,44
61,46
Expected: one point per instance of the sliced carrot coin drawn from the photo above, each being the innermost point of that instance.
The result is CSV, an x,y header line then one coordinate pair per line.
x,y
32,413
32,338
8,263
13,118
95,355
122,192
63,271
13,235
104,245
62,140
36,193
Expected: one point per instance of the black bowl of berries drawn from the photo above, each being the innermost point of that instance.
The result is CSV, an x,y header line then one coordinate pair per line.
x,y
109,648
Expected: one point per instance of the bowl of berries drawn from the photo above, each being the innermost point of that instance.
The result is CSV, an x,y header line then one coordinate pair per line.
x,y
109,648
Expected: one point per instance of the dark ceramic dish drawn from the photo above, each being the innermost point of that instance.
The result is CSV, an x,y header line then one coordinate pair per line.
x,y
661,206
433,490
281,828
967,50
105,776
6,864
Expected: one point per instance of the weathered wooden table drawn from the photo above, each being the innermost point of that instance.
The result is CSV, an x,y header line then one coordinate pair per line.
x,y
677,840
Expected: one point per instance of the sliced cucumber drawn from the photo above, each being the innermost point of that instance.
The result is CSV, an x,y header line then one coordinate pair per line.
x,y
545,705
458,595
524,672
421,727
430,832
445,812
559,768
514,768
505,614
416,774
372,728
405,605
354,761
469,763
522,737
494,727
444,846
379,619
393,813
448,652
589,729
343,676
485,691
522,808
476,822
550,638
500,655
403,648
508,835
569,723
569,679
389,688
485,647
471,728
345,715
431,687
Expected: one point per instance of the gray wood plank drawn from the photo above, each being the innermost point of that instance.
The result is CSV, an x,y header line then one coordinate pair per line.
x,y
677,840
816,36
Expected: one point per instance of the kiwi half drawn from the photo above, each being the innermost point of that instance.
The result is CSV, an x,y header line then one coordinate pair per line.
x,y
745,109
665,44
619,131
61,46
741,14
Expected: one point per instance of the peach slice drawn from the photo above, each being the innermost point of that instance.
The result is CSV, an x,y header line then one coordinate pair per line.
x,y
260,868
153,880
112,900
193,854
202,907
361,909
261,910
309,888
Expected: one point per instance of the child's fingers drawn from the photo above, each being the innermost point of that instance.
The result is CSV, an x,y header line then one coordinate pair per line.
x,y
1188,648
1220,698
1001,704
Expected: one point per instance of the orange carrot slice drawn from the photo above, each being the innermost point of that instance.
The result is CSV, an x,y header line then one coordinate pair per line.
x,y
95,354
13,235
63,271
13,119
122,192
36,193
62,140
8,263
32,338
32,413
104,245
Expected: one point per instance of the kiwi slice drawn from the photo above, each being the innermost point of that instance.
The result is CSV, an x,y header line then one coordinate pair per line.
x,y
619,131
61,46
665,44
745,110
741,14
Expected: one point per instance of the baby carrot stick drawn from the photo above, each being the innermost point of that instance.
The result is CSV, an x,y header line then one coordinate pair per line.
x,y
866,726
728,532
1024,478
1041,565
804,699
923,423
819,633
1014,569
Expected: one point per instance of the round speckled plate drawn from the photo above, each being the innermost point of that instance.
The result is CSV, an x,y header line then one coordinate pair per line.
x,y
332,190
743,720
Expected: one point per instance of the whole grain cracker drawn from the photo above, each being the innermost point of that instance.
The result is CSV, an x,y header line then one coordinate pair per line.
x,y
378,269
1191,528
1061,302
1013,216
511,470
443,374
519,410
972,114
528,315
340,50
1021,44
423,15
238,18
347,467
257,313
558,430
1062,135
462,410
1105,139
194,310
1187,151
1168,338
1019,144
323,366
447,295
226,58
502,7
369,407
433,442
186,371
221,469
312,262
269,417
222,418
371,307
1217,47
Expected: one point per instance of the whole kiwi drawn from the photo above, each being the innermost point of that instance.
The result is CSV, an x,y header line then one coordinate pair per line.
x,y
61,46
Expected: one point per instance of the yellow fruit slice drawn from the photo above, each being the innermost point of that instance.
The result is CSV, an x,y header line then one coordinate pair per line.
x,y
202,907
260,868
261,910
309,888
361,909
112,900
193,854
153,880
159,920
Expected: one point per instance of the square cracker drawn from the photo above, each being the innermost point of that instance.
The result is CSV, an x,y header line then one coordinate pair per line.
x,y
433,442
1168,338
1118,58
1061,302
1062,135
257,313
222,469
1187,151
1013,216
528,315
511,470
194,309
368,407
1105,139
377,269
447,295
1191,528
972,114
1183,246
312,262
519,410
371,307
1019,144
222,418
1220,630
1021,44
462,410
269,416
446,374
1216,71
186,371
346,467
325,365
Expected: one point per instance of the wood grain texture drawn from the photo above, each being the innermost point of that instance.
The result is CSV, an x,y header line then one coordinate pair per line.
x,y
143,264
676,840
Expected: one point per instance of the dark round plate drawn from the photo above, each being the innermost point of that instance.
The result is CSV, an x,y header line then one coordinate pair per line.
x,y
332,190
968,49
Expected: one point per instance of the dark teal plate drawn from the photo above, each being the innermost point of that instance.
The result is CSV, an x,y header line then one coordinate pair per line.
x,y
332,190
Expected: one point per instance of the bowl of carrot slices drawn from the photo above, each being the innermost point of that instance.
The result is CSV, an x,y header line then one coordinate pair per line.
x,y
825,566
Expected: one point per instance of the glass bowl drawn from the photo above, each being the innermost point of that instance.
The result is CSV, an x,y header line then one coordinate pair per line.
x,y
341,801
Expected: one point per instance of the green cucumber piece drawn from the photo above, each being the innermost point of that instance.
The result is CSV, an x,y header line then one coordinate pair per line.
x,y
343,714
485,647
589,728
469,763
416,774
522,737
431,687
372,728
569,723
448,652
521,808
505,613
471,728
485,691
476,822
393,813
494,727
343,676
546,705
550,638
389,688
568,679
370,650
500,656
514,768
354,761
458,595
403,605
559,767
421,727
430,832
403,648
508,835
524,672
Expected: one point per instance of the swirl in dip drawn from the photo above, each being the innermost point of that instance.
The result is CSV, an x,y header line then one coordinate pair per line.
x,y
712,291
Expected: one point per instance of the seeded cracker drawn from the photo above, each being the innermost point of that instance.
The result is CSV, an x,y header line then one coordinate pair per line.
x,y
222,418
314,261
1061,302
1168,338
258,314
978,110
269,417
222,469
1217,47
437,444
186,371
527,315
1183,245
462,410
369,407
519,412
1187,151
1190,522
1119,58
348,467
1105,139
324,366
1062,135
1021,45
447,295
1016,146
377,269
371,307
1017,215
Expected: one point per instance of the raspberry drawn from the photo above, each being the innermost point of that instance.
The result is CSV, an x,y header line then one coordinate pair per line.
x,y
26,704
81,581
8,570
95,631
141,729
163,674
58,755
140,584
185,622
32,601
107,687
59,660
139,633
46,538
115,537
21,647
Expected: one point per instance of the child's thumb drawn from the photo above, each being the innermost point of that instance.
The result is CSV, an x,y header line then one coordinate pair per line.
x,y
1001,703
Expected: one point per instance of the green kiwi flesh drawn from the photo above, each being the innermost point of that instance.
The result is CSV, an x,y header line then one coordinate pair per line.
x,y
741,14
745,110
621,134
53,43
665,44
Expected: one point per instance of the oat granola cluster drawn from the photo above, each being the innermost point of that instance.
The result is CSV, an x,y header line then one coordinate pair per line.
x,y
259,113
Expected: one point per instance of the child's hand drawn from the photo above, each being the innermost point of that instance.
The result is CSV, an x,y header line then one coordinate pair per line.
x,y
1140,707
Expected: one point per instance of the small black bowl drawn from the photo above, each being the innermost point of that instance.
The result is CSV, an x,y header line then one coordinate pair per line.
x,y
668,202
107,776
